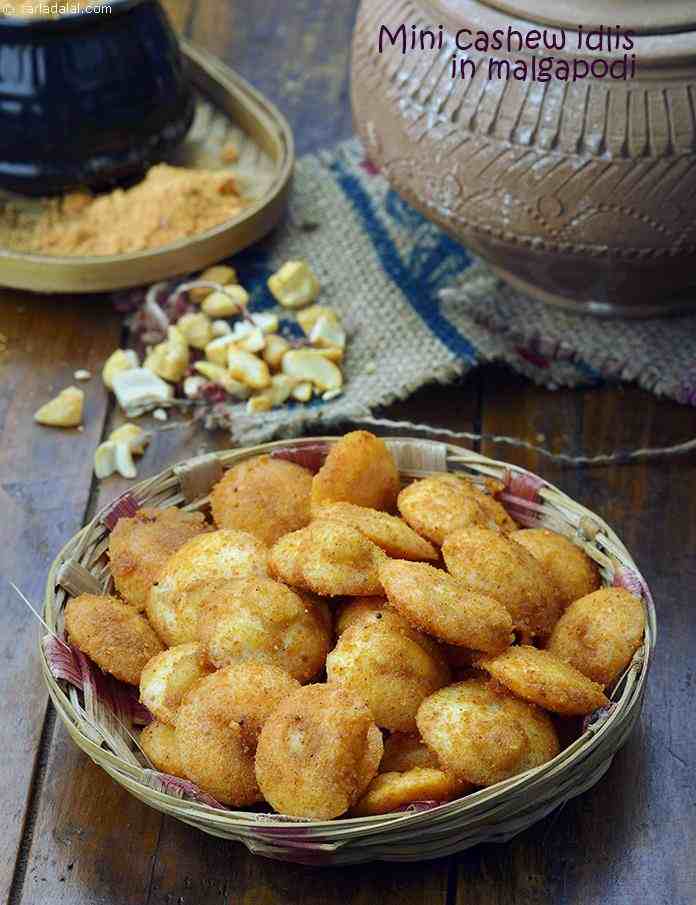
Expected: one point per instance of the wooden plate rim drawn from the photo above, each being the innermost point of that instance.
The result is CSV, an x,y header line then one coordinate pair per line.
x,y
259,217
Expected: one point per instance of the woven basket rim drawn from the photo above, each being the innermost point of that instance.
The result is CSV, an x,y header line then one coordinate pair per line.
x,y
631,686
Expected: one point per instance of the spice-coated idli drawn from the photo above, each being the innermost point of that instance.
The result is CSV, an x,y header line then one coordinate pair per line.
x,y
218,727
438,505
490,563
317,753
571,569
359,469
174,601
266,497
599,633
113,634
140,546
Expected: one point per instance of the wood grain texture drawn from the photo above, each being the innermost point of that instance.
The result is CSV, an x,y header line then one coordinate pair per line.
x,y
617,843
193,869
77,853
87,842
45,485
297,54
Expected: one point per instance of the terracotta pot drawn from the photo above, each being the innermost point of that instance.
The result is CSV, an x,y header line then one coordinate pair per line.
x,y
580,193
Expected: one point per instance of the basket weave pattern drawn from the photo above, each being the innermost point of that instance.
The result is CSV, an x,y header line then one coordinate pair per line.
x,y
100,714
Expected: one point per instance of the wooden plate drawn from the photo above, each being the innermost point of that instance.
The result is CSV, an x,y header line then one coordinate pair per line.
x,y
228,110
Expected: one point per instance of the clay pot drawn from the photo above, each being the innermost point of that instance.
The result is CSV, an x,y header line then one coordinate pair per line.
x,y
582,194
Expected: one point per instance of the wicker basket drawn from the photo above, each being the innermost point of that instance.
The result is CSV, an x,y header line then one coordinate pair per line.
x,y
99,713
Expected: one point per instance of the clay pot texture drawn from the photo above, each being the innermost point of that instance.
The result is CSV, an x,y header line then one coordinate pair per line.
x,y
580,193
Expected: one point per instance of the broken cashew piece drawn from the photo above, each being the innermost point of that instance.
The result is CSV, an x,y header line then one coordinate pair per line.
x,y
220,376
276,347
261,403
111,457
295,285
327,335
276,394
216,351
303,392
170,359
248,369
227,303
310,365
133,435
221,328
255,341
119,360
308,318
220,274
63,411
197,329
335,355
269,323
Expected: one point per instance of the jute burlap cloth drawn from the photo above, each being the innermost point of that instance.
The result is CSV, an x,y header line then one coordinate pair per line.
x,y
384,267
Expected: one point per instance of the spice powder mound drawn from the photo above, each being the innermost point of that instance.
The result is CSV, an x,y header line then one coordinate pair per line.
x,y
170,204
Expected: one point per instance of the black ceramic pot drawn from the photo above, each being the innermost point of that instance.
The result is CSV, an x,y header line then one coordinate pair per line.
x,y
89,99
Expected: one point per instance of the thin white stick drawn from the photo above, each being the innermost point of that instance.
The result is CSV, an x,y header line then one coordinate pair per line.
x,y
24,598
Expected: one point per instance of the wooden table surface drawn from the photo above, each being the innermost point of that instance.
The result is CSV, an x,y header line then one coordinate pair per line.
x,y
70,835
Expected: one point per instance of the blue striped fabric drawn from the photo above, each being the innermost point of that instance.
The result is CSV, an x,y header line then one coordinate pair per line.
x,y
420,309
